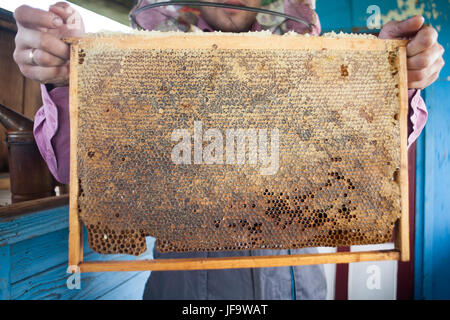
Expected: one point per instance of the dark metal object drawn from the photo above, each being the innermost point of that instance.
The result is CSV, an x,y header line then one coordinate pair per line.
x,y
29,174
220,5
14,121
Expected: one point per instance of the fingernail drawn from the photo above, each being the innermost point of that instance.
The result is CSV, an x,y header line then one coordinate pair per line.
x,y
69,10
57,22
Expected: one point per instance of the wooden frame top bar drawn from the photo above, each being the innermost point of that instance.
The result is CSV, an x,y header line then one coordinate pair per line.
x,y
174,40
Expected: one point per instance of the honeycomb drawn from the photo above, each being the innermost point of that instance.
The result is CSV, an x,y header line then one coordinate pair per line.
x,y
335,113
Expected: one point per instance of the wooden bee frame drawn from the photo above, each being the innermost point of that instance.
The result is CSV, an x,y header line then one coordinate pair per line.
x,y
176,41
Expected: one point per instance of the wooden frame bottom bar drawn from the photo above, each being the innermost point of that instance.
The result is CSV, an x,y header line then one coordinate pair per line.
x,y
238,262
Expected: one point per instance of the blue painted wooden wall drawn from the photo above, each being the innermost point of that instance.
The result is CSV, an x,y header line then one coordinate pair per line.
x,y
33,262
432,248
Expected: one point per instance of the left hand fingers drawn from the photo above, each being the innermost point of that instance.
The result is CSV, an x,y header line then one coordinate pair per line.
x,y
426,58
424,39
420,79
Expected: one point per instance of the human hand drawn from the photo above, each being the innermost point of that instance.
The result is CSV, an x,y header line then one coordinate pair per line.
x,y
425,54
40,53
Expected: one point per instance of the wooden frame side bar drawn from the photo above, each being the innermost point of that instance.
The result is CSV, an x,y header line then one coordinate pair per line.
x,y
402,239
75,225
238,262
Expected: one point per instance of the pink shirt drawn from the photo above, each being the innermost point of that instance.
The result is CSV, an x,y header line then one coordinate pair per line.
x,y
51,123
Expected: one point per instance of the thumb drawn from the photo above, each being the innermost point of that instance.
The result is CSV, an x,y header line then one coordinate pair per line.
x,y
402,29
73,23
62,9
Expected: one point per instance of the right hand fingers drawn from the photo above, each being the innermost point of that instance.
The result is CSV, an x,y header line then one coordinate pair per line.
x,y
40,58
32,18
40,32
55,75
28,39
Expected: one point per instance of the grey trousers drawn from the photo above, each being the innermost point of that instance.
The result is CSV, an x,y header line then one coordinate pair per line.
x,y
285,283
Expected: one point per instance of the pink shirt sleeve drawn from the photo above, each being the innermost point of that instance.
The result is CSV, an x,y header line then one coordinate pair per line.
x,y
418,115
52,131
